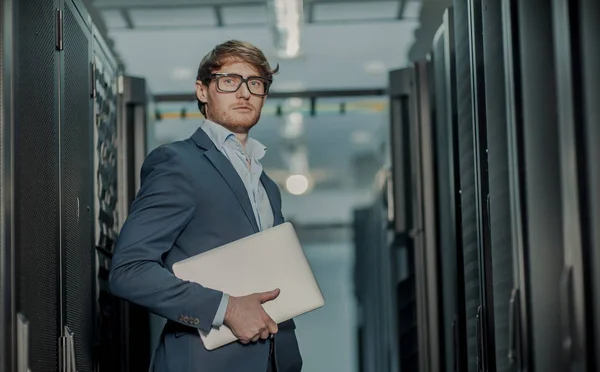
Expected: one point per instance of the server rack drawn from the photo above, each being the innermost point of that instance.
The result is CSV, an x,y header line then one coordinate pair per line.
x,y
8,339
401,106
576,282
54,62
499,220
36,182
76,186
519,334
542,222
468,191
588,13
374,276
424,226
448,196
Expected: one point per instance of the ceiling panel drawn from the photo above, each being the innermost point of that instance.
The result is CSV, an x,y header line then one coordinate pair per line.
x,y
113,18
244,15
412,9
352,11
178,17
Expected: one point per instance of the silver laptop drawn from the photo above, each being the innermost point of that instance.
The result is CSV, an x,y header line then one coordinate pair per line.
x,y
270,259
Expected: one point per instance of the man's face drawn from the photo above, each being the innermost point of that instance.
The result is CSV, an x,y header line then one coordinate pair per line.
x,y
237,111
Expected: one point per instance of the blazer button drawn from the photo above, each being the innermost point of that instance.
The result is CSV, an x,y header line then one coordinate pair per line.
x,y
196,321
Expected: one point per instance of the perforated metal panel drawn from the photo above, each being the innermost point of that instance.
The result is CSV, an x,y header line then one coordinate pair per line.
x,y
500,219
467,177
77,189
36,181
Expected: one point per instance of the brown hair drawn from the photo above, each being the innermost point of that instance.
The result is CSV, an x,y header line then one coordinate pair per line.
x,y
233,50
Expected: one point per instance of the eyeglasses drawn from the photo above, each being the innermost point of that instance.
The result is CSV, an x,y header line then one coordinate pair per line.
x,y
230,83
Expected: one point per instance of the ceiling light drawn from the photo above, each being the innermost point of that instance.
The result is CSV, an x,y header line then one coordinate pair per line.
x,y
297,184
375,67
286,17
182,73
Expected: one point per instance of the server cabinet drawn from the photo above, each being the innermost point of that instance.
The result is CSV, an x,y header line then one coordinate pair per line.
x,y
374,283
8,339
519,336
76,186
401,109
500,223
448,198
466,153
131,128
576,282
541,175
37,172
424,224
589,29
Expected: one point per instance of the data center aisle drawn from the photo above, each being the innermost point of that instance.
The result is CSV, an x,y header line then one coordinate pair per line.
x,y
327,336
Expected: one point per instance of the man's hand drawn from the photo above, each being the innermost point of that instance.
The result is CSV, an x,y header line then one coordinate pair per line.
x,y
247,319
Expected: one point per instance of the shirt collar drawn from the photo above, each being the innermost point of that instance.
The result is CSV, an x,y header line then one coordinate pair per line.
x,y
219,135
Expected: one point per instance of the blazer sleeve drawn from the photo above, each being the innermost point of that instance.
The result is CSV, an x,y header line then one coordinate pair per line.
x,y
162,209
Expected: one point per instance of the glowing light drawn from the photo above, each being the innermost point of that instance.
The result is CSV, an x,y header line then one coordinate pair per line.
x,y
297,184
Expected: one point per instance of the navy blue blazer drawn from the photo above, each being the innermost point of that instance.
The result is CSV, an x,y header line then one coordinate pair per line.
x,y
191,200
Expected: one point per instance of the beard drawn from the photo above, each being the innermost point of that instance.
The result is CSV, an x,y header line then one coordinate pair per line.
x,y
235,121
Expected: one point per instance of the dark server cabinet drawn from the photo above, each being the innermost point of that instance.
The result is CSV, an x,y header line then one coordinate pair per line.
x,y
374,283
499,221
468,99
519,354
415,215
453,342
48,176
577,170
401,109
424,225
588,13
112,314
37,171
76,187
8,339
542,222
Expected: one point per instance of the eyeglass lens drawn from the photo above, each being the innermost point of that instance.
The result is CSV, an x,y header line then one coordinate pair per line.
x,y
232,83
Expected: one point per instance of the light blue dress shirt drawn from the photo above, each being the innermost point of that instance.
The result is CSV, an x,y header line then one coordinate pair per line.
x,y
247,164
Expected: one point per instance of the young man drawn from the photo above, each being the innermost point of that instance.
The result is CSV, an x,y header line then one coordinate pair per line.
x,y
196,195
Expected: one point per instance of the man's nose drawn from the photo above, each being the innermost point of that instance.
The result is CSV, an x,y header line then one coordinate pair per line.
x,y
243,92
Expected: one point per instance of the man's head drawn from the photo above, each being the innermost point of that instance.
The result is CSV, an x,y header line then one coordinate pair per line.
x,y
232,83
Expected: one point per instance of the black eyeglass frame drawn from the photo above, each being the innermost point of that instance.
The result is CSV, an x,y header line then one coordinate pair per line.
x,y
242,81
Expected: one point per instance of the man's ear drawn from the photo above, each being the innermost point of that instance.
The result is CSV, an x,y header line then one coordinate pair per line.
x,y
201,91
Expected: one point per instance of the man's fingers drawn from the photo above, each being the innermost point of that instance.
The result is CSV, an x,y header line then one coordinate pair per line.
x,y
272,326
265,334
268,296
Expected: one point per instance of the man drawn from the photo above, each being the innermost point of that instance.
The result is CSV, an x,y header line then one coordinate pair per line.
x,y
196,195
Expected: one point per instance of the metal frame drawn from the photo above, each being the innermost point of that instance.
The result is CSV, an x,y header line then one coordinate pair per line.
x,y
313,94
8,341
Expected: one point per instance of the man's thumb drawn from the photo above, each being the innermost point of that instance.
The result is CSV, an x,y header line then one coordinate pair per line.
x,y
268,296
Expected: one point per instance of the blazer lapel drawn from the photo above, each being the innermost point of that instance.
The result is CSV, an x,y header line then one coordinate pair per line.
x,y
228,172
271,189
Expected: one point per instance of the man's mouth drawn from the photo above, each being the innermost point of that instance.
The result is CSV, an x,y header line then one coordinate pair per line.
x,y
243,108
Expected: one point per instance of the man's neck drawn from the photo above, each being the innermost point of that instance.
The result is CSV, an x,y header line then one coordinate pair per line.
x,y
243,138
